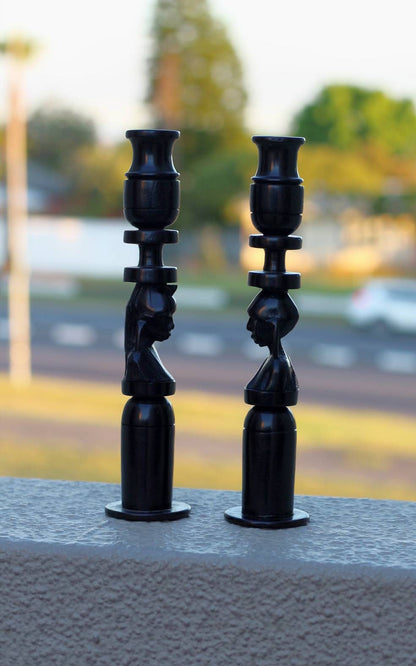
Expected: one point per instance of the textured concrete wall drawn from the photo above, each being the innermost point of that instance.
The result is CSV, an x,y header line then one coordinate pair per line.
x,y
80,588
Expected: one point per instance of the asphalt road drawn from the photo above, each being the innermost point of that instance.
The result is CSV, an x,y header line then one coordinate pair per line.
x,y
335,364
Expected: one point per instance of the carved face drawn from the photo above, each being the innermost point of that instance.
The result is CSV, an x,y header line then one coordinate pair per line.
x,y
272,316
156,307
263,319
159,326
261,331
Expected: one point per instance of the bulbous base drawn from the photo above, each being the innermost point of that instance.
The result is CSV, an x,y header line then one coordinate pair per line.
x,y
177,510
234,515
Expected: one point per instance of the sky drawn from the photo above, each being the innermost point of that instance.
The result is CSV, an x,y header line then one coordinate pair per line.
x,y
93,54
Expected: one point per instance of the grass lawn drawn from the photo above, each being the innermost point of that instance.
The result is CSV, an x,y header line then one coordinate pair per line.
x,y
340,452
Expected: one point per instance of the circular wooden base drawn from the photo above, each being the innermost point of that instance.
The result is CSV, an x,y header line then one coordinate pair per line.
x,y
299,517
177,510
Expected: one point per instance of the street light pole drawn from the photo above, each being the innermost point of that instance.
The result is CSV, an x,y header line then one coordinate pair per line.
x,y
16,166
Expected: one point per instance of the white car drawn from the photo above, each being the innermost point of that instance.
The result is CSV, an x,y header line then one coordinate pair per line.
x,y
384,305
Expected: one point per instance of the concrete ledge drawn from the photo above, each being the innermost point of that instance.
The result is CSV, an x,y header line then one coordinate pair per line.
x,y
81,588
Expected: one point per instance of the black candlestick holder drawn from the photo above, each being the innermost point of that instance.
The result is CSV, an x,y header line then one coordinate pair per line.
x,y
269,438
151,203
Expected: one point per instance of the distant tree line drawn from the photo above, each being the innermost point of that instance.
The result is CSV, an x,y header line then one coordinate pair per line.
x,y
361,143
195,84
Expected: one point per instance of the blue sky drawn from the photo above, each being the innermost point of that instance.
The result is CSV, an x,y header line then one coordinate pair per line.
x,y
93,55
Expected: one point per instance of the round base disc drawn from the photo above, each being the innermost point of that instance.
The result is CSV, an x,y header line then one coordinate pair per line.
x,y
178,510
234,515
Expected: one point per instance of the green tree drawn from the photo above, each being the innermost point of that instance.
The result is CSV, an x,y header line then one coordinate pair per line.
x,y
96,176
196,85
348,117
195,78
216,182
55,135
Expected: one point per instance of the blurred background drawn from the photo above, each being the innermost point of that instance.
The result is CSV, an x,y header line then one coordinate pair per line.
x,y
72,80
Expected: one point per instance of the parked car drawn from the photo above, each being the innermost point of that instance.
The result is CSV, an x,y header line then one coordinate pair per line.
x,y
384,305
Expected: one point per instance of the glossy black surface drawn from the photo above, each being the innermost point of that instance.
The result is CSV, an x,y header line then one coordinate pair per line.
x,y
297,519
176,511
149,318
147,441
269,438
276,194
151,203
151,191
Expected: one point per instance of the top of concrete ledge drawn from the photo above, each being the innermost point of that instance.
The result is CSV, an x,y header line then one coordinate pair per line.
x,y
69,516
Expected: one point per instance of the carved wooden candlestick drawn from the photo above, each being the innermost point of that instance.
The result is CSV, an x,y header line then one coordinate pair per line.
x,y
269,439
151,203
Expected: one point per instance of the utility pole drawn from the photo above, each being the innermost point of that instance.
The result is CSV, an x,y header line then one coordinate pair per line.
x,y
17,51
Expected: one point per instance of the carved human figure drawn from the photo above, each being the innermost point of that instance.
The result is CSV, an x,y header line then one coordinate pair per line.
x,y
150,204
269,435
149,318
271,317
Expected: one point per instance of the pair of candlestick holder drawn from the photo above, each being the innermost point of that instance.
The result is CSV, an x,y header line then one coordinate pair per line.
x,y
151,204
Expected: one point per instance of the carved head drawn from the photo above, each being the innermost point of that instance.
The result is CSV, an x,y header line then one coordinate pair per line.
x,y
262,313
271,317
155,305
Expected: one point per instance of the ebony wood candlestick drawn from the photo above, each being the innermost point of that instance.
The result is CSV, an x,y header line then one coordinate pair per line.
x,y
269,438
151,203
